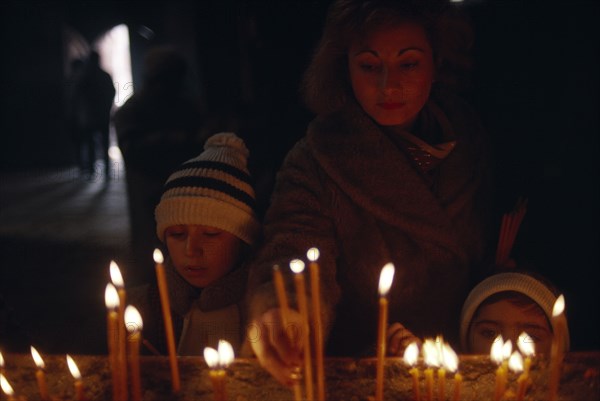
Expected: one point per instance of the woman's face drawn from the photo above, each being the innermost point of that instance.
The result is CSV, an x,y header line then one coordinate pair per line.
x,y
391,73
509,320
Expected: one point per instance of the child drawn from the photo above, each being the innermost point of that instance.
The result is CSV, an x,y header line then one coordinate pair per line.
x,y
508,304
207,221
394,168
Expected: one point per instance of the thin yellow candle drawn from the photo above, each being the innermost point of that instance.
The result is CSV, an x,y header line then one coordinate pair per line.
x,y
7,388
386,276
285,312
39,374
315,286
559,328
431,357
79,389
117,280
166,310
527,348
496,355
450,360
411,355
218,361
1,364
111,300
297,267
134,327
515,364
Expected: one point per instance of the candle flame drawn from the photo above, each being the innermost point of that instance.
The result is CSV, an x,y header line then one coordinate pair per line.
x,y
313,254
133,319
39,362
297,266
506,349
496,350
430,353
526,344
515,362
111,297
211,356
226,355
115,275
559,306
1,360
385,279
450,358
6,387
158,256
73,368
411,354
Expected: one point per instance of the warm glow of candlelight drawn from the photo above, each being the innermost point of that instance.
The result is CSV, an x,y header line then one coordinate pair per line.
x,y
6,387
111,297
411,354
115,275
559,306
313,254
226,355
133,319
515,362
496,351
1,361
73,368
450,359
158,256
526,344
431,355
506,350
39,362
211,356
297,266
385,279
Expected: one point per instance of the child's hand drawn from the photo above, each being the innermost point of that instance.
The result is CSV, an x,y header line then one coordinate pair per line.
x,y
398,338
279,353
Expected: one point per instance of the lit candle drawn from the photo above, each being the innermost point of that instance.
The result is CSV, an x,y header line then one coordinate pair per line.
x,y
218,361
297,267
527,348
411,354
39,374
166,310
451,364
135,325
7,388
439,344
497,356
559,328
515,363
79,390
117,280
385,282
1,364
313,255
431,357
111,300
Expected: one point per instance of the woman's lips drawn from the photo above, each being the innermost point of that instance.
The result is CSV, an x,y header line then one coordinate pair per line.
x,y
196,271
391,105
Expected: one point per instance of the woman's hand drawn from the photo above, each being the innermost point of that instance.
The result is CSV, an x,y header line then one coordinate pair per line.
x,y
398,338
278,349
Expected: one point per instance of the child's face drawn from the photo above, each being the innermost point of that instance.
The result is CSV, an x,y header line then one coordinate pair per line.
x,y
509,320
202,254
391,73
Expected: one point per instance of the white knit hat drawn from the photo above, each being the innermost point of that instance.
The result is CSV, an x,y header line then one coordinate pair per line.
x,y
212,189
518,282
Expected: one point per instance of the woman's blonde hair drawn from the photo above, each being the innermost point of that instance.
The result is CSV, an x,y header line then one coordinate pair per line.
x,y
326,84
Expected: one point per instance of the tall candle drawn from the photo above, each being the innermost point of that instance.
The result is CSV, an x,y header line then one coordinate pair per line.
x,y
1,364
386,276
117,280
166,310
432,359
527,348
559,327
79,390
111,300
515,363
39,374
411,355
315,286
6,388
218,361
134,327
297,267
497,356
450,360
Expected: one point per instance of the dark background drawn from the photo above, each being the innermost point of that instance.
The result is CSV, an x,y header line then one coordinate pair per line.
x,y
535,85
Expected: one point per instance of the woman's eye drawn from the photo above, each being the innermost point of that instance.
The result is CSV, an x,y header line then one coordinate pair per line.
x,y
488,334
369,67
211,233
409,65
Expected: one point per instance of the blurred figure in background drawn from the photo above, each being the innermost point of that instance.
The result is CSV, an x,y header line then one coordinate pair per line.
x,y
157,127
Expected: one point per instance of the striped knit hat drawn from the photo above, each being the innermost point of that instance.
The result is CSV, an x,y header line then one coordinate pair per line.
x,y
536,288
212,189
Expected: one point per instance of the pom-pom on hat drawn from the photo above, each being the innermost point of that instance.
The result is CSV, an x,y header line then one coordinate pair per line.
x,y
540,292
212,189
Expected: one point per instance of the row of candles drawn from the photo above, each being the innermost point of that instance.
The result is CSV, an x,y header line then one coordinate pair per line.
x,y
435,353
